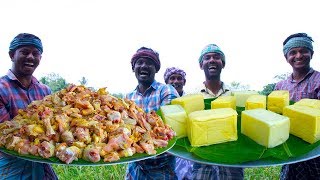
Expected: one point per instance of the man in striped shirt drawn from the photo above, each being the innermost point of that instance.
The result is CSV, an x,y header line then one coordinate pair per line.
x,y
18,89
304,82
150,95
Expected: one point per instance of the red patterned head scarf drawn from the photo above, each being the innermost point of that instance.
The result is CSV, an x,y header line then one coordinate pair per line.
x,y
146,53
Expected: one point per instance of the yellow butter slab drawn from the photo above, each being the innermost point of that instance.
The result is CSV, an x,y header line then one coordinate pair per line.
x,y
176,117
265,127
313,103
207,127
190,103
304,122
256,101
224,102
242,96
277,100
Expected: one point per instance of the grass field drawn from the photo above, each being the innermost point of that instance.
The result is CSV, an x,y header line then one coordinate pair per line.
x,y
117,172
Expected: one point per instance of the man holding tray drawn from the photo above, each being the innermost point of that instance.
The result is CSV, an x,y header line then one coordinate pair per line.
x,y
150,95
212,61
18,89
304,82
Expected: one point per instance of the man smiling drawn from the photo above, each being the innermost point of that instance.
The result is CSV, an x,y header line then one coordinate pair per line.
x,y
150,95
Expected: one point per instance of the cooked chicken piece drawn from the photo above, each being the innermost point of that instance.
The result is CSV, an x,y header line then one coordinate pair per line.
x,y
111,157
91,153
63,122
127,152
160,143
33,149
46,149
67,137
22,146
114,116
49,129
148,148
68,154
82,134
12,141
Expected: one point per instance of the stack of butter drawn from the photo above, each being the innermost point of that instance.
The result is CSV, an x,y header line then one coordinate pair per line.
x,y
256,101
277,100
265,127
242,96
224,102
304,122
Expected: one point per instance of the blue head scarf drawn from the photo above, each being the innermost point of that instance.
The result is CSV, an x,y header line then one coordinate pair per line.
x,y
300,41
212,48
26,39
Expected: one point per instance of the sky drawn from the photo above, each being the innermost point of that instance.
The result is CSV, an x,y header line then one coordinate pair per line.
x,y
96,39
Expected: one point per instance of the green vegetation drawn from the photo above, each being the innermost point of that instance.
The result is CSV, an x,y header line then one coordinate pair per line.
x,y
118,172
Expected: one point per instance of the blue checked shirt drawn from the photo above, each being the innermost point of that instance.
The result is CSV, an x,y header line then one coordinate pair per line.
x,y
162,166
14,96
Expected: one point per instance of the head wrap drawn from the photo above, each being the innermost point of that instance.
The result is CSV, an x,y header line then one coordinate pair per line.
x,y
146,53
173,70
26,39
297,42
212,48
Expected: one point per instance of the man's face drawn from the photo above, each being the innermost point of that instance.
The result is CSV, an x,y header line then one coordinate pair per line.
x,y
25,60
299,58
145,70
212,64
177,81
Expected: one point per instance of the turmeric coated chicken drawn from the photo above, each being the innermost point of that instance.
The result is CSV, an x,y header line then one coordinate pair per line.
x,y
78,122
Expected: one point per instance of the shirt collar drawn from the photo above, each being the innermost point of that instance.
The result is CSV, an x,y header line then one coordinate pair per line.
x,y
294,81
153,85
222,90
14,78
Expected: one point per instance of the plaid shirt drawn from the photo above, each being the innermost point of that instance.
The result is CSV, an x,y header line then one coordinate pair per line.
x,y
162,166
13,96
203,171
308,87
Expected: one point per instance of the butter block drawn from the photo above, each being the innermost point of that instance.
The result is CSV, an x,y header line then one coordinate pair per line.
x,y
313,103
176,117
277,100
224,102
242,96
256,101
190,103
213,126
304,122
265,127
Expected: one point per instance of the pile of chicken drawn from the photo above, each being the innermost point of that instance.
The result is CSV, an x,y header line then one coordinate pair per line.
x,y
77,122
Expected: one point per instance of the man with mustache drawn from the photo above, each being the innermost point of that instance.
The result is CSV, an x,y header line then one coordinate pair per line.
x,y
304,82
18,88
150,95
212,61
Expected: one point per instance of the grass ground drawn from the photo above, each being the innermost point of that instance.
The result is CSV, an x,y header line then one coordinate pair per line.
x,y
117,172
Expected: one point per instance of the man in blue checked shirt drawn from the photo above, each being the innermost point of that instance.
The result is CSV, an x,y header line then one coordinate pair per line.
x,y
18,88
150,95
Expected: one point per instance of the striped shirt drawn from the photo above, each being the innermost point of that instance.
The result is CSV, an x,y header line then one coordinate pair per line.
x,y
308,87
13,96
162,166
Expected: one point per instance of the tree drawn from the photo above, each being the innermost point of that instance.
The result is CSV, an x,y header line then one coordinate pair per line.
x,y
83,81
54,81
270,87
237,86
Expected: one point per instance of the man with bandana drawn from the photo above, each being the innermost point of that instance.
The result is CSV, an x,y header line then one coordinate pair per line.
x,y
304,82
212,61
150,95
176,77
18,88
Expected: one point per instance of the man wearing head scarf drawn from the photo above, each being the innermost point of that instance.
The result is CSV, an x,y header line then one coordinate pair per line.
x,y
150,95
18,88
176,77
304,82
212,60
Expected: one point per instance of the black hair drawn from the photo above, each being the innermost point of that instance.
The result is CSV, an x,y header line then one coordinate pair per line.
x,y
297,35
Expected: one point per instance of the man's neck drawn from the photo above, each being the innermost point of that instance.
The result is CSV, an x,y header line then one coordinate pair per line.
x,y
142,87
23,79
213,85
298,75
